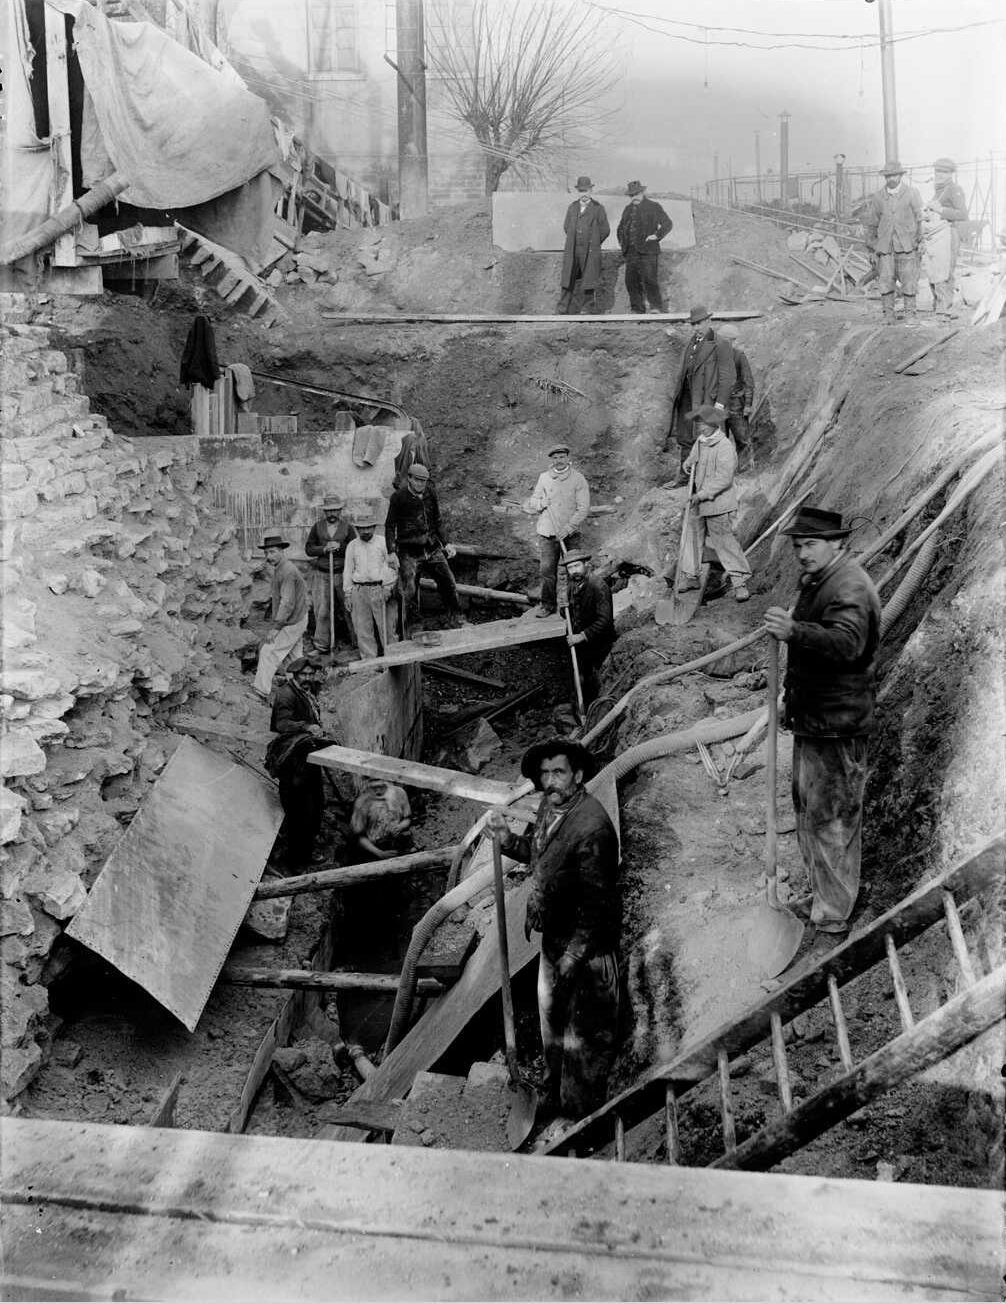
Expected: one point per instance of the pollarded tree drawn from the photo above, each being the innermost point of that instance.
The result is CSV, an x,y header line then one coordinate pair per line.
x,y
528,76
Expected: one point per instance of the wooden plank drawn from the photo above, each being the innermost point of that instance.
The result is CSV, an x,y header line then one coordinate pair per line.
x,y
370,1115
202,725
164,1110
543,319
136,1213
171,897
919,354
479,591
315,981
323,880
465,676
414,774
472,638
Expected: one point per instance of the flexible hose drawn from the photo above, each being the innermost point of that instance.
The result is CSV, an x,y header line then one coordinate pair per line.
x,y
910,585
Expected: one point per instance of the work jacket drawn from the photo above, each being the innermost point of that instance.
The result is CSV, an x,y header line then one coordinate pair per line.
x,y
288,594
591,612
585,233
561,501
893,220
715,460
650,220
318,536
294,711
575,901
829,672
742,391
413,522
707,375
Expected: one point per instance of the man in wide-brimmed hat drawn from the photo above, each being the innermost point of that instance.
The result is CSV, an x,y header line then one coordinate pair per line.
x,y
714,505
575,904
326,546
705,378
642,227
892,223
586,227
560,500
296,722
369,584
591,615
288,613
832,637
942,219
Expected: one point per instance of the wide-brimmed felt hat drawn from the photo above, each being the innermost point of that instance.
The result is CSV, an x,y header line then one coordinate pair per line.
x,y
577,554
635,188
944,165
584,183
312,661
333,501
364,517
712,416
558,448
419,471
892,168
699,313
577,755
816,523
273,541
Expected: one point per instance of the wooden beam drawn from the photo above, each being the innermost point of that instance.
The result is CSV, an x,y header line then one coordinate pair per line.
x,y
483,319
484,637
466,676
478,591
323,880
164,1110
370,1115
414,774
919,354
311,980
198,724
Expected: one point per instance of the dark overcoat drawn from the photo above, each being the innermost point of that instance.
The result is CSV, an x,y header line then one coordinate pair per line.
x,y
707,375
597,232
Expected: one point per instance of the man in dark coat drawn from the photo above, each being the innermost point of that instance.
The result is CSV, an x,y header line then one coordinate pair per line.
x,y
741,400
892,222
413,529
832,637
642,227
575,904
296,721
586,227
706,379
592,617
326,546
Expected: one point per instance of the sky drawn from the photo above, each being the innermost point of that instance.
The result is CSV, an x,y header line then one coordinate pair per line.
x,y
680,102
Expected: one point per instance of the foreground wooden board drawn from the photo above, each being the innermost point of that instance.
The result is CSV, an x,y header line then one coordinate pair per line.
x,y
472,638
93,1211
475,319
414,774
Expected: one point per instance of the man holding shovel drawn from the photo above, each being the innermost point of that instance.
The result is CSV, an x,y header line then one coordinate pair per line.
x,y
592,621
561,501
576,906
326,546
713,505
369,583
832,636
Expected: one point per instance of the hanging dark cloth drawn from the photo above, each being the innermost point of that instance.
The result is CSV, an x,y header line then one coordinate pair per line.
x,y
199,357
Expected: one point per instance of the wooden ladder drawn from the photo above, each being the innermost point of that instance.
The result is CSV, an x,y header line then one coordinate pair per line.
x,y
979,1004
228,276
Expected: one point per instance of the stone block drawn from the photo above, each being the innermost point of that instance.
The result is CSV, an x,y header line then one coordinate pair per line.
x,y
20,754
22,1009
14,475
90,582
29,684
16,919
55,581
19,1066
12,805
52,708
44,729
18,503
56,891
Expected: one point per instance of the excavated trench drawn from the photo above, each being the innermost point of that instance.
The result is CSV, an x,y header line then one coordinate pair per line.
x,y
837,418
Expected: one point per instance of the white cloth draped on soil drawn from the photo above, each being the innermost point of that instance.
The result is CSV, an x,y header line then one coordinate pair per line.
x,y
26,170
937,249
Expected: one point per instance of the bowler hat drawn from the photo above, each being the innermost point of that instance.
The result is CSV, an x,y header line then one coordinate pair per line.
x,y
634,188
815,523
944,165
577,755
576,554
273,541
584,183
333,501
419,471
699,313
712,416
558,448
892,168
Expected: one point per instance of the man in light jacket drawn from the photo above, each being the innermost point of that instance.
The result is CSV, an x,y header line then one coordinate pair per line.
x,y
560,500
892,222
714,505
288,613
949,203
586,227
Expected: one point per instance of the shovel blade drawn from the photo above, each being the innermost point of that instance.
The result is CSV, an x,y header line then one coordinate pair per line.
x,y
774,939
664,612
522,1103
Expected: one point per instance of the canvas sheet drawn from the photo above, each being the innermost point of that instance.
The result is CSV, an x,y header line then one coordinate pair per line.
x,y
26,170
167,906
533,220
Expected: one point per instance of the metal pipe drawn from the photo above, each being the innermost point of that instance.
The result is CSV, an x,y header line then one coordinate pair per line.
x,y
63,221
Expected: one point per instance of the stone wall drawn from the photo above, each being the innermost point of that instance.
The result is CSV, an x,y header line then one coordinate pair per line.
x,y
123,593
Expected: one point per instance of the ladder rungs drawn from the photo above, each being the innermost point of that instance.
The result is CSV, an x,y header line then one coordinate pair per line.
x,y
781,1063
726,1103
841,1029
957,939
900,990
671,1125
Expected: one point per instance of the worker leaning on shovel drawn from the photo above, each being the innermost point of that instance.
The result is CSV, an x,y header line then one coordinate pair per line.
x,y
561,501
832,637
326,546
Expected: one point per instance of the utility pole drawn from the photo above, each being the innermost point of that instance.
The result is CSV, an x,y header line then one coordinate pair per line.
x,y
758,165
413,162
716,177
885,14
784,157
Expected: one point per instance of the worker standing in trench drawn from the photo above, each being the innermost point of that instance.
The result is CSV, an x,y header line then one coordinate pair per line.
x,y
592,618
575,904
832,637
287,610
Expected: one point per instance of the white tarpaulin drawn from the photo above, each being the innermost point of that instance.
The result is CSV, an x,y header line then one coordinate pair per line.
x,y
533,220
27,167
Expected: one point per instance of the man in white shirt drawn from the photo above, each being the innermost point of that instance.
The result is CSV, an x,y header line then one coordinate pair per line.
x,y
369,581
560,500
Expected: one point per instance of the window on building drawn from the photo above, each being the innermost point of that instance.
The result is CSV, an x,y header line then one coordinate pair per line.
x,y
332,36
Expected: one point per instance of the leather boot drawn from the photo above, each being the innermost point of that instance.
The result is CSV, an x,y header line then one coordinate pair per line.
x,y
887,306
911,315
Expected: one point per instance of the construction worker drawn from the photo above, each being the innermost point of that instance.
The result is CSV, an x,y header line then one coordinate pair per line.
x,y
832,637
591,615
327,539
892,221
713,505
741,400
706,377
586,227
288,613
415,532
949,204
561,500
296,722
575,904
369,584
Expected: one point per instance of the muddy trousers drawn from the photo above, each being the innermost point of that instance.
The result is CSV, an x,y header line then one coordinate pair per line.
x,y
829,778
322,615
286,642
642,280
302,797
373,619
410,567
718,533
549,553
589,661
579,1029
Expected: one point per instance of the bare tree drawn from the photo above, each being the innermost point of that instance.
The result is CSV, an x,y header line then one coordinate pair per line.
x,y
527,76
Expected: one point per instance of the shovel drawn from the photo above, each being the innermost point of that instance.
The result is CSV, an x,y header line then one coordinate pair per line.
x,y
776,932
523,1099
677,610
569,629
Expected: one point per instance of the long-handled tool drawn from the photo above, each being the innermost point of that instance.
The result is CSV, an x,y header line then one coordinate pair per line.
x,y
569,625
331,602
776,933
668,610
523,1102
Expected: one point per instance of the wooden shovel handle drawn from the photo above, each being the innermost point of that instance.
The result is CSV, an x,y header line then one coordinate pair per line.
x,y
771,767
509,1027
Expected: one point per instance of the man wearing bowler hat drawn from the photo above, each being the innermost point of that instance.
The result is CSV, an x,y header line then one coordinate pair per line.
x,y
561,500
832,637
327,540
706,378
591,614
575,904
288,613
892,222
642,227
586,227
714,505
